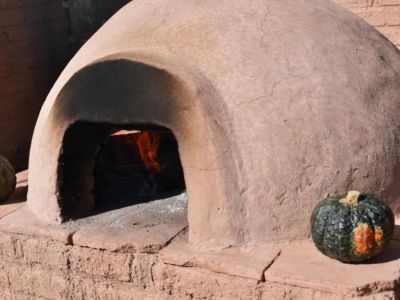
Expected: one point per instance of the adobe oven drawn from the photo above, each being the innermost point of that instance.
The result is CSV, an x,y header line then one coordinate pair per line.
x,y
266,111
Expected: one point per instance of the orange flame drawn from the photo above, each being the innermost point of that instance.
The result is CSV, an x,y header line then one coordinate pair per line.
x,y
147,143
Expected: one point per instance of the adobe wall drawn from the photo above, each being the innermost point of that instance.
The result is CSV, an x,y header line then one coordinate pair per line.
x,y
40,268
384,15
34,47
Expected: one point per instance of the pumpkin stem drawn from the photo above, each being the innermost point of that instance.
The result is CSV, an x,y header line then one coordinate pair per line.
x,y
352,197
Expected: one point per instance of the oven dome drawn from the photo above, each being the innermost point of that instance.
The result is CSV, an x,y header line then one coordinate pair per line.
x,y
274,104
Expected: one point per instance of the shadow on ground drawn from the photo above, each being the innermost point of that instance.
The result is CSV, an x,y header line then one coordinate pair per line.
x,y
17,197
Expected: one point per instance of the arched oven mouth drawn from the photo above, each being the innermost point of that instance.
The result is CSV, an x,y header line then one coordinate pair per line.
x,y
109,166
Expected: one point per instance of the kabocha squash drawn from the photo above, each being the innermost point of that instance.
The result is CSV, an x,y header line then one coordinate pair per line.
x,y
353,227
8,179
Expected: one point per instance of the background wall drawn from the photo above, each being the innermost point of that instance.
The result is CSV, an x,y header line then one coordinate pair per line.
x,y
34,47
384,15
87,16
37,39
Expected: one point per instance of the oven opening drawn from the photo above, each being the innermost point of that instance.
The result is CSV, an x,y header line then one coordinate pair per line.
x,y
105,167
137,166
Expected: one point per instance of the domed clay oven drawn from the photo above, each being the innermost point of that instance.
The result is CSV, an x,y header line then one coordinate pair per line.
x,y
274,104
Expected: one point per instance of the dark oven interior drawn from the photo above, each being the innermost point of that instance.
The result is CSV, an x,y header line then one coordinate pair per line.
x,y
107,166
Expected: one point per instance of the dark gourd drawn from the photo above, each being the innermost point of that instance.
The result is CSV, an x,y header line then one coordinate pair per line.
x,y
8,179
352,227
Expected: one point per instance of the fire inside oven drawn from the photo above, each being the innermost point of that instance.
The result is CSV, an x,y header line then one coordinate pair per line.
x,y
137,166
104,167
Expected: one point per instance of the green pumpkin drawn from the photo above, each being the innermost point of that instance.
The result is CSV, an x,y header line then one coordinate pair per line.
x,y
353,227
8,180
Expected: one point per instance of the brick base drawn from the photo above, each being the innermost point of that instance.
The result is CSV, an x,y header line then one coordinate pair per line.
x,y
40,268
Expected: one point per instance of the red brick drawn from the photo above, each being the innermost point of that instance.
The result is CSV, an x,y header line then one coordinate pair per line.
x,y
101,263
355,3
387,2
35,58
380,15
392,33
22,53
10,88
29,14
27,31
374,15
8,4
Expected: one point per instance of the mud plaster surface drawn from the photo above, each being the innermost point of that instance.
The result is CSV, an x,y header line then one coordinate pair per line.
x,y
37,263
